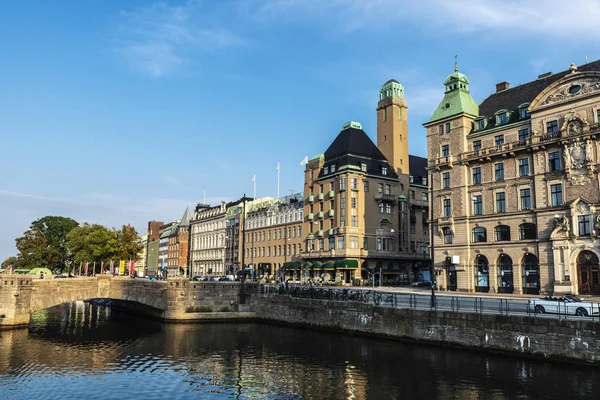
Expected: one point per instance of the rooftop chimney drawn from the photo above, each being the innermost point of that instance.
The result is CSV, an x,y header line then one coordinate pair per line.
x,y
502,86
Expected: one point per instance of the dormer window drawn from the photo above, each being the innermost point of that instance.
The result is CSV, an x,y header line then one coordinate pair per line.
x,y
501,117
363,167
326,170
383,170
480,124
332,168
411,179
523,113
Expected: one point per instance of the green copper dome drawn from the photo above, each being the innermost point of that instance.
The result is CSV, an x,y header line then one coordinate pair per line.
x,y
391,88
457,98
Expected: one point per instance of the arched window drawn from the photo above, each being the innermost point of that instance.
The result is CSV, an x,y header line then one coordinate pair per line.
x,y
482,274
505,274
531,274
479,235
384,224
527,231
502,233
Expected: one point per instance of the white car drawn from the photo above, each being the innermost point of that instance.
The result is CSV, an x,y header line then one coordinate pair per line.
x,y
567,304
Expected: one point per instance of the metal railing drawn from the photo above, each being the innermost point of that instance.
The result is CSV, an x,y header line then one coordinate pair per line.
x,y
464,304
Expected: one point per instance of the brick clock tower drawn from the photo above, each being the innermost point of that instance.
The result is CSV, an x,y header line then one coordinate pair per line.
x,y
392,126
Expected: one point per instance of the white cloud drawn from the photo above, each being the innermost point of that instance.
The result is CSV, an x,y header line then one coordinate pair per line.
x,y
160,38
552,18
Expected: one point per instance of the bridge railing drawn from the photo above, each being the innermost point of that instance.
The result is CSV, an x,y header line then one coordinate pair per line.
x,y
463,304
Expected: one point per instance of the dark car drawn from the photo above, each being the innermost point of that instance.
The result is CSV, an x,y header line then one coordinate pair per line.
x,y
59,276
225,279
196,278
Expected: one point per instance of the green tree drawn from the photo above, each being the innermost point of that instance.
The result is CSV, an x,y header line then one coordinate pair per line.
x,y
10,263
92,243
129,243
34,251
55,230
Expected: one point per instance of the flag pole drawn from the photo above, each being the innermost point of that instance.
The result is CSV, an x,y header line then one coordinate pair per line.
x,y
278,167
254,180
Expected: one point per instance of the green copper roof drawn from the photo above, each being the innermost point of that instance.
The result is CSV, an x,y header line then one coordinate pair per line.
x,y
457,99
352,124
318,157
391,88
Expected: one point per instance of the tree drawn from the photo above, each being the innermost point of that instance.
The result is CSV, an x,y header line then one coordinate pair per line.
x,y
34,251
55,230
129,243
10,263
92,243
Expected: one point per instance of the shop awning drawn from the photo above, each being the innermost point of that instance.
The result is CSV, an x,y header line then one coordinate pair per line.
x,y
346,264
290,266
317,265
328,265
307,265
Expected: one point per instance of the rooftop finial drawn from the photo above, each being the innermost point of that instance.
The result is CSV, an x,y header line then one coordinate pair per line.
x,y
455,63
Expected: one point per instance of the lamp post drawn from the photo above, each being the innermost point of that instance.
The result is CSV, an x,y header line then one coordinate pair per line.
x,y
431,263
243,276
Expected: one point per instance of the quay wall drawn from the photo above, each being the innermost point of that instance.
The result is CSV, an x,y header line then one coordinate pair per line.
x,y
549,338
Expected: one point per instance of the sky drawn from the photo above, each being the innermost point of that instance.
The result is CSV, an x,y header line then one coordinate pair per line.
x,y
118,112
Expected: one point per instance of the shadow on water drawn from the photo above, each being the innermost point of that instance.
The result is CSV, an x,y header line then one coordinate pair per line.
x,y
91,350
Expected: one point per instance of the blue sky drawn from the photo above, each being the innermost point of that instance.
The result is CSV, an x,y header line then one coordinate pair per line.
x,y
120,112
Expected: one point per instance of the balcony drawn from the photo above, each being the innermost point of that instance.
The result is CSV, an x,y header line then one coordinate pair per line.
x,y
331,213
320,215
310,216
330,232
331,194
320,233
445,161
385,197
321,196
311,198
419,203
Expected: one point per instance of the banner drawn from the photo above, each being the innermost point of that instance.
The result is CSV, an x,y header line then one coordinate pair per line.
x,y
101,267
122,267
131,268
112,267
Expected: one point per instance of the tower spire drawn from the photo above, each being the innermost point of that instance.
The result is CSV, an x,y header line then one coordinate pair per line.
x,y
456,63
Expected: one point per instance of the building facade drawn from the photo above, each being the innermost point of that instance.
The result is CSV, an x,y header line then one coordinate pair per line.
x,y
152,247
207,252
140,262
273,232
516,199
177,259
166,232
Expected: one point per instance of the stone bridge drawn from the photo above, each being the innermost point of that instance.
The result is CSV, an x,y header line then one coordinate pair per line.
x,y
167,300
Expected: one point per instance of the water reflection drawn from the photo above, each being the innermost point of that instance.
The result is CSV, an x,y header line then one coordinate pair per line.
x,y
79,350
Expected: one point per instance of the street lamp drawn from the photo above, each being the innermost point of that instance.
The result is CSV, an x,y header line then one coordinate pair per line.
x,y
431,263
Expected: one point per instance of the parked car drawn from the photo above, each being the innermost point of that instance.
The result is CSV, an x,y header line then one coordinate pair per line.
x,y
196,278
225,279
567,304
59,276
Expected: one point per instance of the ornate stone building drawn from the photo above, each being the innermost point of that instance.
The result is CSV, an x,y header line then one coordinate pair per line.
x,y
177,260
207,251
516,190
273,236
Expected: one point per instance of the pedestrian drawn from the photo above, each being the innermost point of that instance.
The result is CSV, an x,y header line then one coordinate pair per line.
x,y
42,275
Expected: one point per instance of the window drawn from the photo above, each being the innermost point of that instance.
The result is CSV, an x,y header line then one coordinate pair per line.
x,y
598,115
326,170
479,235
554,161
388,208
381,207
499,168
480,124
445,150
354,202
425,229
556,195
447,208
447,235
552,127
502,233
584,225
413,228
331,243
342,220
411,179
523,114
380,188
387,189
363,167
365,243
477,145
477,176
527,231
523,134
411,194
343,202
342,183
355,221
340,242
524,167
354,242
447,127
424,196
332,168
499,140
501,202
353,184
366,186
446,180
383,170
441,129
502,118
477,205
525,199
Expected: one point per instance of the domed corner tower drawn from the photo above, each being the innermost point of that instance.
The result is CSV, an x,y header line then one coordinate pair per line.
x,y
392,126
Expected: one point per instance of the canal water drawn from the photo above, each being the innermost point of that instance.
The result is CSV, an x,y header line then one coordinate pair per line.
x,y
84,351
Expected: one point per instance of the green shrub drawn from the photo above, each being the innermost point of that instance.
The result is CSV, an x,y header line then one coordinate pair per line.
x,y
194,309
190,309
224,309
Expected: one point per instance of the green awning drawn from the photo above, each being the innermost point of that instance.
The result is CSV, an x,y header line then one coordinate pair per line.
x,y
328,265
291,265
307,265
310,236
346,264
317,265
